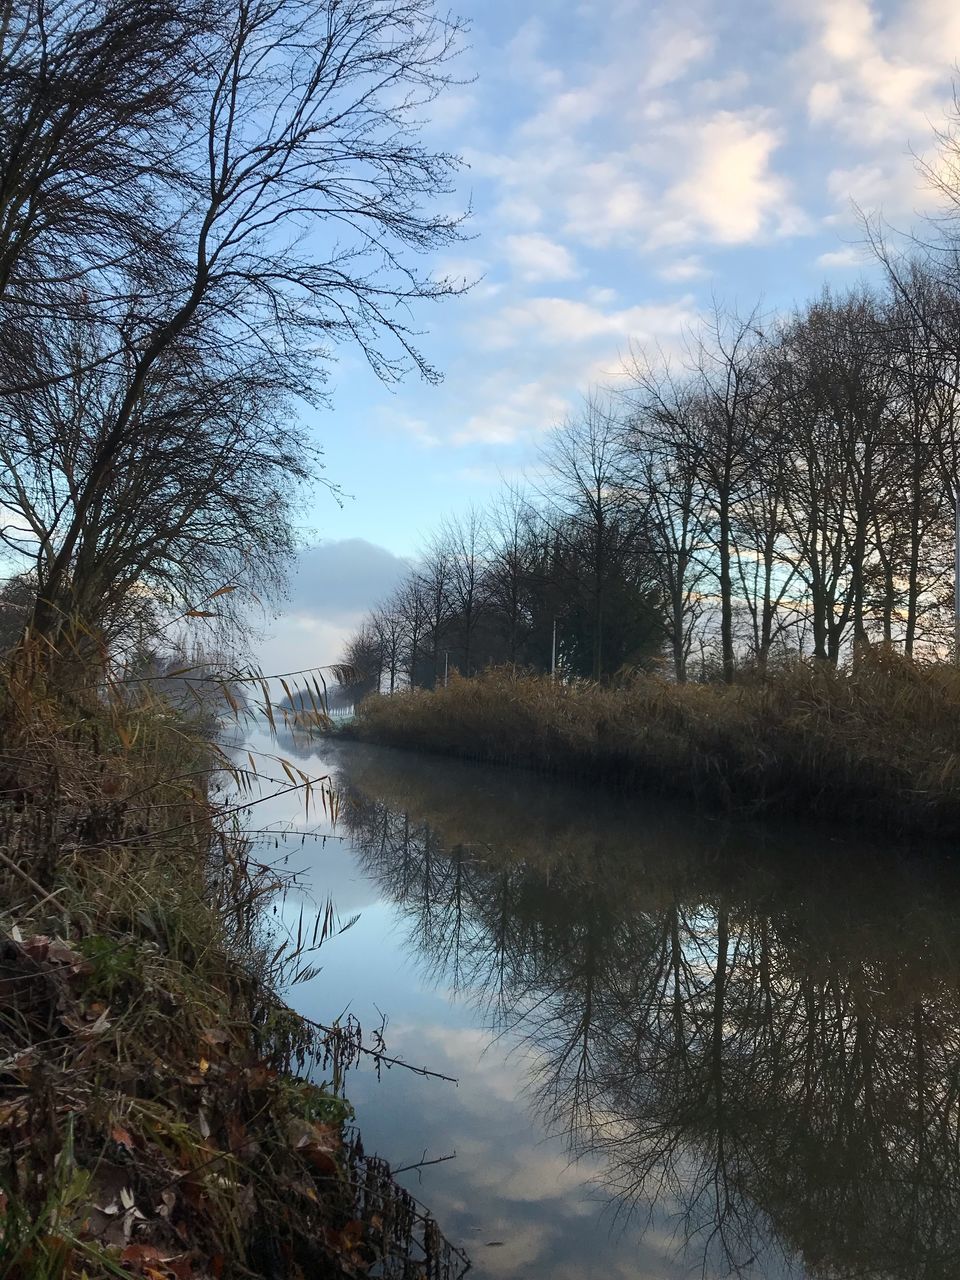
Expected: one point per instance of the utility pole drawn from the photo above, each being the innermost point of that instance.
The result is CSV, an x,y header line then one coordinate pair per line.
x,y
553,646
956,579
446,667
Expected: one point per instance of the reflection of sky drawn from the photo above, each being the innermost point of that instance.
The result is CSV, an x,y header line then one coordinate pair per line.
x,y
510,1198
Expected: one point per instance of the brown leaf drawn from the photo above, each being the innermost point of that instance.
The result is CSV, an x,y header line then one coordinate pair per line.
x,y
180,1266
37,947
352,1233
236,1134
61,952
122,1137
13,1114
142,1255
315,1142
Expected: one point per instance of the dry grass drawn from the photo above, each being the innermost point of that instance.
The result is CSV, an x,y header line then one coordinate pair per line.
x,y
879,745
161,1111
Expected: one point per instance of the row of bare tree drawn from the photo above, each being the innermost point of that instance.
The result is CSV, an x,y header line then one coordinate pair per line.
x,y
516,584
197,202
784,485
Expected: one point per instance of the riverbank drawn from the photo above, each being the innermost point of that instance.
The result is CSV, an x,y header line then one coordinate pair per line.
x,y
162,1112
879,746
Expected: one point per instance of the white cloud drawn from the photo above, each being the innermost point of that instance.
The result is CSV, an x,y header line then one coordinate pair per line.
x,y
731,193
332,588
878,78
678,48
577,344
690,268
524,60
536,257
849,257
416,428
567,322
510,412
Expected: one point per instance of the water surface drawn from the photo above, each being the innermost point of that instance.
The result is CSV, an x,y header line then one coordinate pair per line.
x,y
683,1046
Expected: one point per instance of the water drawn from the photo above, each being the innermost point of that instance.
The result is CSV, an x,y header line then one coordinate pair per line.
x,y
682,1046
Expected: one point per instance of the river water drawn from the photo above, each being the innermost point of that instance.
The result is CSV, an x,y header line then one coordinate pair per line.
x,y
682,1046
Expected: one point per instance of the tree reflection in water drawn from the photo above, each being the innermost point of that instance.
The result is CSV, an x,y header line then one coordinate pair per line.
x,y
764,1044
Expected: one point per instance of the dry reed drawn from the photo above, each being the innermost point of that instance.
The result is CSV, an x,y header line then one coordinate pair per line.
x,y
162,1111
878,744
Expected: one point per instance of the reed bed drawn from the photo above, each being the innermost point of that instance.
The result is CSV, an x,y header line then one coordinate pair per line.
x,y
878,744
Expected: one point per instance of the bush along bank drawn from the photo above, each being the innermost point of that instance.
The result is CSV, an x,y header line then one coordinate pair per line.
x,y
160,1107
878,744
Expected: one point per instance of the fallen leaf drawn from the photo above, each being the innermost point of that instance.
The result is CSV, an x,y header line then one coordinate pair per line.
x,y
236,1134
122,1137
13,1113
180,1266
316,1143
259,1076
37,947
61,952
138,1254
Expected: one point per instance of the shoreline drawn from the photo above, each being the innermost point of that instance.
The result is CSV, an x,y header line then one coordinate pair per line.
x,y
879,747
163,1111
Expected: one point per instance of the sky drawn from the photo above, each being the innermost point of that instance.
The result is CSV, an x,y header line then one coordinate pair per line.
x,y
626,163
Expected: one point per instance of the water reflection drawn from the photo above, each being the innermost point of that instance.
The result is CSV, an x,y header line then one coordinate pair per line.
x,y
763,1043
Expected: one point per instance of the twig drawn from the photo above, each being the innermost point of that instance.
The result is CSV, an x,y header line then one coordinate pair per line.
x,y
9,862
376,1054
423,1164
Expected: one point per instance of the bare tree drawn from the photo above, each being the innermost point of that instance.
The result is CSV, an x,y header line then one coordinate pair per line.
x,y
665,446
96,100
730,376
387,624
201,498
585,457
512,557
436,591
464,538
300,198
410,605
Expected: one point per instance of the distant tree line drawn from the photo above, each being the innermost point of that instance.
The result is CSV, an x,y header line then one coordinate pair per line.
x,y
787,486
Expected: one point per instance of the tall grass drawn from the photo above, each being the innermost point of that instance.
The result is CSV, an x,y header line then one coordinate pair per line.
x,y
879,744
162,1111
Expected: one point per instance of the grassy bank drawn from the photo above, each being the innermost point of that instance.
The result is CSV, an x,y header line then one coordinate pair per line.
x,y
162,1112
879,745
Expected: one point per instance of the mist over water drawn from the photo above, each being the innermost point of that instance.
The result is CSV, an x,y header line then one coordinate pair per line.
x,y
682,1046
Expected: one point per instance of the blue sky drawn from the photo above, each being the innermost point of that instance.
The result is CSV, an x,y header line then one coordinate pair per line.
x,y
626,162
